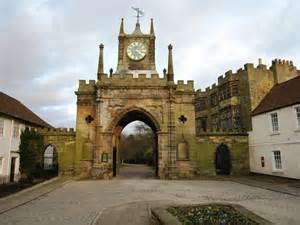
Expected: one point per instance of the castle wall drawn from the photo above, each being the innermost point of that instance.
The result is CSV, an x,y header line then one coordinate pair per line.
x,y
243,92
283,70
64,142
207,144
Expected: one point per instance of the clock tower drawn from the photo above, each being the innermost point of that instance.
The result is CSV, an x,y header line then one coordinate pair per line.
x,y
136,53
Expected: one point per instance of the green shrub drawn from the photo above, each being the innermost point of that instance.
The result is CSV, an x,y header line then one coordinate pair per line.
x,y
31,152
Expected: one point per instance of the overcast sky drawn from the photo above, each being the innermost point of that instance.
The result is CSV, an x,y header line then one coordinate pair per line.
x,y
47,46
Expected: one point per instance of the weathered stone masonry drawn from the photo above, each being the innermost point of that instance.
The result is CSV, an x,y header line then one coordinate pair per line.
x,y
189,125
228,104
63,141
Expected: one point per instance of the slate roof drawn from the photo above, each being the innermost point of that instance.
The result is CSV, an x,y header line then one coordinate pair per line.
x,y
281,95
13,108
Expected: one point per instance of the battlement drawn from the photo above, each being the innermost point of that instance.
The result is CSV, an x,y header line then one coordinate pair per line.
x,y
211,88
56,131
86,86
282,62
231,76
200,93
130,79
181,86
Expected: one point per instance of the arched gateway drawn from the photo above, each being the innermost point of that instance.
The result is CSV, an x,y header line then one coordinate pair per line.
x,y
122,120
135,91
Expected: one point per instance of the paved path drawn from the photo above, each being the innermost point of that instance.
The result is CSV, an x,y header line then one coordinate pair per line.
x,y
134,171
22,197
113,202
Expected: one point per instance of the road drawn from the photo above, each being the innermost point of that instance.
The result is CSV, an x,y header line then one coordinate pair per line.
x,y
127,201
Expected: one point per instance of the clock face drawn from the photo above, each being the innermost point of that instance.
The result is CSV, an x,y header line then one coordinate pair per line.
x,y
136,51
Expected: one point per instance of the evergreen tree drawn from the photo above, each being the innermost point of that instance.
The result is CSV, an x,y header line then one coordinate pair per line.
x,y
31,151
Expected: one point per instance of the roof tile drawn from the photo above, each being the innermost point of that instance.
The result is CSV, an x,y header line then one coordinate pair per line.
x,y
12,107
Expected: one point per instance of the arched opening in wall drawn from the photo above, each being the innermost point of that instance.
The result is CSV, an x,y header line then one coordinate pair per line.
x,y
222,160
50,161
135,152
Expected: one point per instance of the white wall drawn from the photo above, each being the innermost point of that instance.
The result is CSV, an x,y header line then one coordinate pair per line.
x,y
262,143
9,147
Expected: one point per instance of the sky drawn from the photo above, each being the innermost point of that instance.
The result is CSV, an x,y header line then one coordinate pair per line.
x,y
47,46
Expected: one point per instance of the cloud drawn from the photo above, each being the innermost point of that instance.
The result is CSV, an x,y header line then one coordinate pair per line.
x,y
47,46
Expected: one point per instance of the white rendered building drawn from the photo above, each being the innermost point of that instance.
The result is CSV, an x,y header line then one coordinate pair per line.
x,y
14,117
274,142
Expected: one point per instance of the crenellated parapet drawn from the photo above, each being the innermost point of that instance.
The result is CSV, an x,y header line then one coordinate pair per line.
x,y
181,86
283,70
229,76
86,92
56,131
283,62
251,68
200,93
131,79
85,86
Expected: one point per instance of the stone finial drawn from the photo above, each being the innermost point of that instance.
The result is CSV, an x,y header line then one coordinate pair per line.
x,y
137,29
100,63
170,64
122,27
151,27
259,61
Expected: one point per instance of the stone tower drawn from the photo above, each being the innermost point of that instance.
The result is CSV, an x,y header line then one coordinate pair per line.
x,y
136,51
135,91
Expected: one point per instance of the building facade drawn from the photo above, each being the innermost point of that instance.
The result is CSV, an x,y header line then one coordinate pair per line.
x,y
274,142
14,117
196,132
135,91
227,105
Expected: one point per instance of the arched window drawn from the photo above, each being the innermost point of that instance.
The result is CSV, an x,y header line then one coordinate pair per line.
x,y
50,159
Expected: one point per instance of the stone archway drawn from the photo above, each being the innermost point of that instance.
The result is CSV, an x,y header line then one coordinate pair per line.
x,y
126,117
222,160
63,141
50,159
105,106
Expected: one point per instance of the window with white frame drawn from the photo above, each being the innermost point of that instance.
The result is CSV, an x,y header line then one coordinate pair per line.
x,y
277,160
1,127
274,122
297,109
16,131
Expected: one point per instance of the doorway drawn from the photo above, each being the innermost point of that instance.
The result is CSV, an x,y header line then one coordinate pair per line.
x,y
12,169
222,160
135,151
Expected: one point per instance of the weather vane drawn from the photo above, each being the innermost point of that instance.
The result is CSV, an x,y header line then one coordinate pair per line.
x,y
139,13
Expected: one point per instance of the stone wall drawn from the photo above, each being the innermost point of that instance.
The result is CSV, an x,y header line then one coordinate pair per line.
x,y
253,84
63,141
206,145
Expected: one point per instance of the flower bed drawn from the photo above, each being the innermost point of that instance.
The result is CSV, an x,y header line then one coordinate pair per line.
x,y
210,214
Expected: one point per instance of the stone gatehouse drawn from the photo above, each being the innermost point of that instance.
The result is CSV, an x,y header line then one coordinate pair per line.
x,y
173,110
134,92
